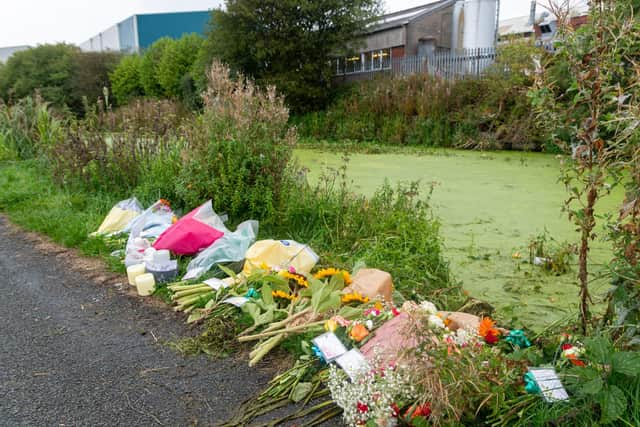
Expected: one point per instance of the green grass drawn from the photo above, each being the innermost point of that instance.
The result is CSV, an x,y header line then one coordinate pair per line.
x,y
30,200
489,204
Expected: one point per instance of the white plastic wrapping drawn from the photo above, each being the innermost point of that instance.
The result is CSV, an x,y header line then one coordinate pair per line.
x,y
231,247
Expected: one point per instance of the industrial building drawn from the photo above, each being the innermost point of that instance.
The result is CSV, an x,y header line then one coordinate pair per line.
x,y
7,52
444,26
138,32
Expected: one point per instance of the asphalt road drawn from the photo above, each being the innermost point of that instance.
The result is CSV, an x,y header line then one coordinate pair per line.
x,y
77,349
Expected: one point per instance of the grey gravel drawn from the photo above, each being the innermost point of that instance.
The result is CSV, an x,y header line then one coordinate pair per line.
x,y
75,352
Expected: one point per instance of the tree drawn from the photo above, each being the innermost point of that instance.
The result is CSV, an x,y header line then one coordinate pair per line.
x,y
176,62
149,67
289,43
125,79
46,68
89,76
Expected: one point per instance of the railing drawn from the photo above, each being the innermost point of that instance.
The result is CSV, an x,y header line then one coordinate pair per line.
x,y
448,65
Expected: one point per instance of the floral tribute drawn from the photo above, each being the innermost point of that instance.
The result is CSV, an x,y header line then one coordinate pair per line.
x,y
374,396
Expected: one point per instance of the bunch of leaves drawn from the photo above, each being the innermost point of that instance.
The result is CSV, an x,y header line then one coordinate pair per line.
x,y
462,382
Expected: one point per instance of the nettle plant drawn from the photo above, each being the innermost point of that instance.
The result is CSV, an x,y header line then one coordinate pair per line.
x,y
594,119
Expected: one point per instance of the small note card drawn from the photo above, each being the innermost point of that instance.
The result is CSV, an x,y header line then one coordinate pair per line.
x,y
237,301
330,346
549,384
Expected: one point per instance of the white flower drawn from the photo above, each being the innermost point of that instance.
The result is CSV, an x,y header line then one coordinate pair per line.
x,y
369,324
436,322
428,307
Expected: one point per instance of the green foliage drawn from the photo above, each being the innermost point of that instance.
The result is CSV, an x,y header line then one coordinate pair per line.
x,y
150,65
594,114
288,43
491,112
90,78
46,68
126,83
27,128
176,62
239,148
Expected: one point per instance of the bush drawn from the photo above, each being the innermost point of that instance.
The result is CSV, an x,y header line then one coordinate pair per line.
x,y
149,67
89,78
126,83
46,68
239,148
176,63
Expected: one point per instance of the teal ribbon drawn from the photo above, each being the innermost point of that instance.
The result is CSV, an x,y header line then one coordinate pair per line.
x,y
517,338
252,293
530,384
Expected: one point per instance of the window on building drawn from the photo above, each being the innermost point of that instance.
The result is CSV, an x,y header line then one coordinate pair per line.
x,y
374,60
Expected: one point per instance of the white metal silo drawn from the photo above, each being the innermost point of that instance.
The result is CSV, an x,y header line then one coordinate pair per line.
x,y
480,21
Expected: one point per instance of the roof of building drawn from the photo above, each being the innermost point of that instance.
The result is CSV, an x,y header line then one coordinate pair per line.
x,y
402,17
6,52
518,25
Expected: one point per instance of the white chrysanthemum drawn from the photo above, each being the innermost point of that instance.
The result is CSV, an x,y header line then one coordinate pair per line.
x,y
429,307
436,322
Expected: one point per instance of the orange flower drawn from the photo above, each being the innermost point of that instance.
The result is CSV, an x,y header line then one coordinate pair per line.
x,y
359,332
488,328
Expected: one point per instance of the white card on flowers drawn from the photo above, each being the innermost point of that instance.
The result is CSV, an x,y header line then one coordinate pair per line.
x,y
549,384
330,346
352,362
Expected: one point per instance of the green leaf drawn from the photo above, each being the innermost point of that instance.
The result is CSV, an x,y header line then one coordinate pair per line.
x,y
592,387
626,363
613,403
301,391
599,349
266,295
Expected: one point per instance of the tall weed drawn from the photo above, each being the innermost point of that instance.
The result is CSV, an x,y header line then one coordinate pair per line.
x,y
239,148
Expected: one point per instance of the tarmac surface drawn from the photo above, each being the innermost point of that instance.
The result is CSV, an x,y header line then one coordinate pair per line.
x,y
78,349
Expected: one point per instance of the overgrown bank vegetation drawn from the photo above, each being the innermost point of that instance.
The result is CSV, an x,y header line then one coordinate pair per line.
x,y
492,112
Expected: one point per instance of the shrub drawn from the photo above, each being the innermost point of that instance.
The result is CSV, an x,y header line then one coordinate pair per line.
x,y
176,63
421,109
149,67
126,83
46,68
89,78
239,148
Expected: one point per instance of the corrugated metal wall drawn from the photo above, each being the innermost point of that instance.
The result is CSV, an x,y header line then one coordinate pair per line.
x,y
154,26
127,31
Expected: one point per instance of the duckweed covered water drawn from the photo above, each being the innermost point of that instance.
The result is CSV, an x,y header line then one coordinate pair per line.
x,y
490,205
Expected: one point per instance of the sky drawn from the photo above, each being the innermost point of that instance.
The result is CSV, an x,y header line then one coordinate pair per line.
x,y
32,22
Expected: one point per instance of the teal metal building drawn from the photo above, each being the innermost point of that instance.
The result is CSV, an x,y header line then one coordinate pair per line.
x,y
138,32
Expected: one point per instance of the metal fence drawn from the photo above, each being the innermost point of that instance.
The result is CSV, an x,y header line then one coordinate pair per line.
x,y
449,65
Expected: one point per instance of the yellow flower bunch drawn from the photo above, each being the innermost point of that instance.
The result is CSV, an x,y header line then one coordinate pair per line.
x,y
298,278
284,295
354,297
328,272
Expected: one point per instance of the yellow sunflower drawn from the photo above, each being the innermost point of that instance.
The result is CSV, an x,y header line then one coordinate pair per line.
x,y
354,297
328,272
284,295
298,278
